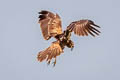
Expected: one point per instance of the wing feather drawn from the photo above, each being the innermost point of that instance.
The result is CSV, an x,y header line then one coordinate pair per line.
x,y
86,34
93,30
50,24
84,28
51,52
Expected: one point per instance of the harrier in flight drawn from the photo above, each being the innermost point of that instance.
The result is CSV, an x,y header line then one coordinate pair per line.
x,y
51,26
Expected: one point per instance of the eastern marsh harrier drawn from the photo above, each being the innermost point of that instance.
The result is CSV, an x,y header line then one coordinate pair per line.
x,y
50,25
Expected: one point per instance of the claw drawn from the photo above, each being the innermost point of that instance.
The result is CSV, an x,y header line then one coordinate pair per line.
x,y
48,63
54,63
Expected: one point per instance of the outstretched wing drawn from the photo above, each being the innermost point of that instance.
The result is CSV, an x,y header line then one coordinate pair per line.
x,y
50,24
51,52
84,27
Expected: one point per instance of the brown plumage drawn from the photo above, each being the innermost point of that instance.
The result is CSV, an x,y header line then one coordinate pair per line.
x,y
51,27
50,24
51,52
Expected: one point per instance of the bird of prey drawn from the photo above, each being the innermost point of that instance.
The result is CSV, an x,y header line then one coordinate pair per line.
x,y
51,26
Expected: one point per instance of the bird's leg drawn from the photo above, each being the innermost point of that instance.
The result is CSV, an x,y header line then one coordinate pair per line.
x,y
72,44
54,63
48,62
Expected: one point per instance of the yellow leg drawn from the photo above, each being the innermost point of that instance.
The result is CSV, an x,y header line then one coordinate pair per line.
x,y
48,62
54,63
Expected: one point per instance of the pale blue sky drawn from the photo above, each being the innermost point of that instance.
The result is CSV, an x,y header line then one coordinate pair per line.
x,y
92,58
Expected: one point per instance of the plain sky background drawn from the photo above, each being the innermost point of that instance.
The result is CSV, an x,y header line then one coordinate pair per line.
x,y
92,58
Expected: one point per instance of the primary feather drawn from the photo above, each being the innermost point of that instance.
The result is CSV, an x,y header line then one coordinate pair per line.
x,y
50,24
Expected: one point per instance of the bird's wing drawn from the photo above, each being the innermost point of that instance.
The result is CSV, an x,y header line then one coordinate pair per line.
x,y
50,24
84,27
51,52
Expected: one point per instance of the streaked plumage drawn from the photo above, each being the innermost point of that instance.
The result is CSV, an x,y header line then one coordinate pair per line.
x,y
51,27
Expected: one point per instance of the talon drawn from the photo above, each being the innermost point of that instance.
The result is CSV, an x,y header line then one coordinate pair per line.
x,y
54,63
48,63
